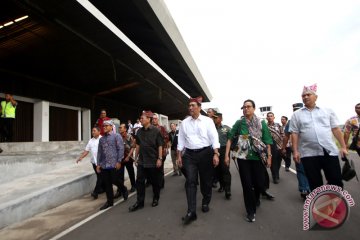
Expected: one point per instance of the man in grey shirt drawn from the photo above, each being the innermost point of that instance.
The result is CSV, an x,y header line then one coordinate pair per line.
x,y
312,128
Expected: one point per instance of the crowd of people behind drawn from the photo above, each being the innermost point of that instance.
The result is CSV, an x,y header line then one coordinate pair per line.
x,y
201,149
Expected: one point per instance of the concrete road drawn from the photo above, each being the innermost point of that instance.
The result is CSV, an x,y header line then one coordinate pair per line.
x,y
279,219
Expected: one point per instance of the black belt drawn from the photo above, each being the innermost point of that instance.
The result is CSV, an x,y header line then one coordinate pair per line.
x,y
197,150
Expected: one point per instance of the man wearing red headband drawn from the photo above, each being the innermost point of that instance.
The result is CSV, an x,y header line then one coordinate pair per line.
x,y
200,140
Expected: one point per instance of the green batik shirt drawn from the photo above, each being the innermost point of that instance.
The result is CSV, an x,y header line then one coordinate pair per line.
x,y
240,128
223,132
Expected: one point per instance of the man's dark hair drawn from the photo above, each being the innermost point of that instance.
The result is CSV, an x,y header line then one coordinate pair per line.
x,y
285,117
103,110
250,101
270,113
126,126
97,128
357,105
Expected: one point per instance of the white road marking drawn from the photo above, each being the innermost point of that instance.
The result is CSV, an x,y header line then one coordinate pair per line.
x,y
79,224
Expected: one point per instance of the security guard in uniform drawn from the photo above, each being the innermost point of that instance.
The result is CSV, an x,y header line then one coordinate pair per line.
x,y
8,108
223,169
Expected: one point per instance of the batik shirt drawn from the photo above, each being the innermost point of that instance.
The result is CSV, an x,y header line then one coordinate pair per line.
x,y
111,150
352,125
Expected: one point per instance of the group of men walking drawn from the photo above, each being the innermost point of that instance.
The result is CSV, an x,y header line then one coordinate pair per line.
x,y
202,147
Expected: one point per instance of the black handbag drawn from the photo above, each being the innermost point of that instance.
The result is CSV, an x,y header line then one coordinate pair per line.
x,y
353,145
348,170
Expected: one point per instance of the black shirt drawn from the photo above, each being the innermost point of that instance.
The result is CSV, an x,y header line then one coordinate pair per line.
x,y
149,141
174,139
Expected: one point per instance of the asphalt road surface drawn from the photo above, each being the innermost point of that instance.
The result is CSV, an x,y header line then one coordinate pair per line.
x,y
279,219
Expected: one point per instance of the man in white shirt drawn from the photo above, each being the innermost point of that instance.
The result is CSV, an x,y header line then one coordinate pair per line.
x,y
92,147
136,127
200,140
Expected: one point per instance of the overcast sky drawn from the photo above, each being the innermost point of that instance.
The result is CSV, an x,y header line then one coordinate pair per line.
x,y
268,50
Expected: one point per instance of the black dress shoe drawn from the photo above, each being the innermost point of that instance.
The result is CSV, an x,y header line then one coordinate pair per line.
x,y
221,189
136,206
303,194
267,195
117,194
250,217
205,208
189,218
106,205
227,195
214,185
125,195
276,181
94,195
155,202
133,189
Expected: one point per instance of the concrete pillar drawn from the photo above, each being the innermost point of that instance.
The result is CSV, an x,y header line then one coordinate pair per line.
x,y
86,124
41,121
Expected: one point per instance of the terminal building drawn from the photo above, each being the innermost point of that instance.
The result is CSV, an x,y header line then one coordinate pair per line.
x,y
66,60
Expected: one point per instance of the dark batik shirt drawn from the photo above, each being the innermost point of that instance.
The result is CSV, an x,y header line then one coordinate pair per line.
x,y
149,140
111,150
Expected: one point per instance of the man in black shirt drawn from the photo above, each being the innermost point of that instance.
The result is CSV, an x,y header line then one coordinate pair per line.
x,y
149,144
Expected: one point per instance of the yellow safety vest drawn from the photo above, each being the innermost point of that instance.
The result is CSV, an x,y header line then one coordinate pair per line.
x,y
7,110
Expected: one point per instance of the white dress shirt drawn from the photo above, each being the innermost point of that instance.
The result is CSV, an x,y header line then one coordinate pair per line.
x,y
197,133
92,147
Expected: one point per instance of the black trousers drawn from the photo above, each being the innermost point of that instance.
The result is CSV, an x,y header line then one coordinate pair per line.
x,y
276,162
222,170
198,164
287,157
162,179
7,129
110,177
100,186
252,180
329,164
151,174
129,165
266,179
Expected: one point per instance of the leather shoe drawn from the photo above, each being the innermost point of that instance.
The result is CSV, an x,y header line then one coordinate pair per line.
x,y
94,195
189,217
267,195
133,189
205,208
125,195
155,202
227,195
106,205
136,206
117,194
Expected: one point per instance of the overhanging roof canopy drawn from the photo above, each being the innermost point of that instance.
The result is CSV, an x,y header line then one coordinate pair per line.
x,y
61,43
